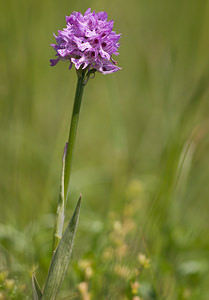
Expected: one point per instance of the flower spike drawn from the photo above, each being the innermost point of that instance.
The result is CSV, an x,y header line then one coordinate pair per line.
x,y
88,42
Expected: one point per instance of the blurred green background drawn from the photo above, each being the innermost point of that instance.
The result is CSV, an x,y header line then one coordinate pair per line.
x,y
141,159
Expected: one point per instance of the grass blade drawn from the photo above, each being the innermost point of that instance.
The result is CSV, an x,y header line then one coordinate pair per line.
x,y
37,293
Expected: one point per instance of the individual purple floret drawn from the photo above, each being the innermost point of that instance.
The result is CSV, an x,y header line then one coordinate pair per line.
x,y
88,42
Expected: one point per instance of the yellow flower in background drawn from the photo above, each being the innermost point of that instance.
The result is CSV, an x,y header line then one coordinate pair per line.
x,y
144,261
135,287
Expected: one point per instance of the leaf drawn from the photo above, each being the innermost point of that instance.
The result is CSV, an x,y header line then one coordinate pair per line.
x,y
61,258
37,293
60,215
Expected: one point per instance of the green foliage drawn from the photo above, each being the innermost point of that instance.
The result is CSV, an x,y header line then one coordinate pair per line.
x,y
37,293
61,258
141,157
11,288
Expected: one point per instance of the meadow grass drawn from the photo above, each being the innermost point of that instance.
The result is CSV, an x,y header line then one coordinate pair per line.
x,y
141,159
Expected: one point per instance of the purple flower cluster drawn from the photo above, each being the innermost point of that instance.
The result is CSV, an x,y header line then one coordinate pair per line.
x,y
88,42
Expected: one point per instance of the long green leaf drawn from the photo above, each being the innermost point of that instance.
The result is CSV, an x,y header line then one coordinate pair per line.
x,y
37,293
60,215
61,258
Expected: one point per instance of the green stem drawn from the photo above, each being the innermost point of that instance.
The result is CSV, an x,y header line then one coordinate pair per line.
x,y
67,160
73,130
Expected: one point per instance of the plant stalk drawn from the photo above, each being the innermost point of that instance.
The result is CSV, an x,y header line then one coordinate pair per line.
x,y
67,160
